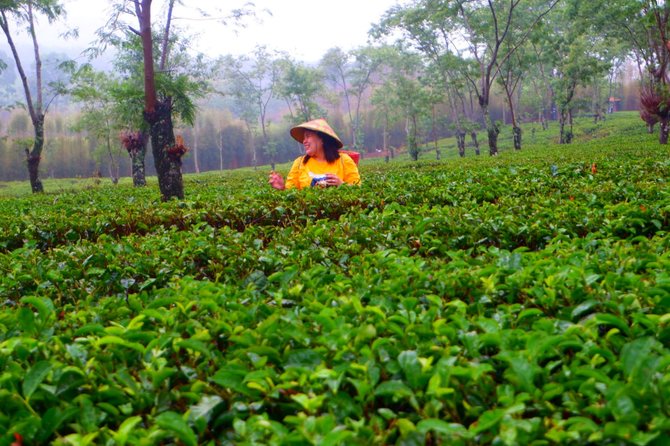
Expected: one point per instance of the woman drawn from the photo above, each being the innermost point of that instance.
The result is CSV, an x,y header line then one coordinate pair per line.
x,y
322,165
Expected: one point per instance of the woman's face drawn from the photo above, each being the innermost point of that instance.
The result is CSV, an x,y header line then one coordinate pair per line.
x,y
313,143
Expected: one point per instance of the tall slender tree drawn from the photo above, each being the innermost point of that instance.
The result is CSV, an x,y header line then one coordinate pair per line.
x,y
23,12
351,75
576,58
99,117
253,84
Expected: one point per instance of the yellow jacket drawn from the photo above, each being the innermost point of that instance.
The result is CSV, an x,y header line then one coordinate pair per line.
x,y
299,175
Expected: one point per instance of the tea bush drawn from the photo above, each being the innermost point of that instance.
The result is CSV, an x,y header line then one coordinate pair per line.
x,y
521,299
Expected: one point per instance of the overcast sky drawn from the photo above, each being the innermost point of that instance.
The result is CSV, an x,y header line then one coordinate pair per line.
x,y
304,28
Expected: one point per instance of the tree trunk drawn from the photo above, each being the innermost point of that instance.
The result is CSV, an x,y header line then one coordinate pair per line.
x,y
492,132
543,120
434,132
460,142
561,123
473,136
33,157
136,144
167,156
663,133
219,144
33,172
137,160
138,170
517,137
570,134
137,157
412,147
196,162
650,128
385,147
113,169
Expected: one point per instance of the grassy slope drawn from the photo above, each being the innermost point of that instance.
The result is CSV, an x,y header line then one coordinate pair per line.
x,y
617,125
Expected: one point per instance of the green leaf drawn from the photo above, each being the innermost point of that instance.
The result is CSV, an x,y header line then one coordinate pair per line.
x,y
34,377
487,420
308,359
623,408
81,440
44,305
173,422
197,346
232,377
121,435
115,340
393,388
53,419
520,372
409,363
610,319
582,308
205,407
336,437
441,427
634,354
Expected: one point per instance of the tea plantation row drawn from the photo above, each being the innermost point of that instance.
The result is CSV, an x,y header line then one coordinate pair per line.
x,y
523,299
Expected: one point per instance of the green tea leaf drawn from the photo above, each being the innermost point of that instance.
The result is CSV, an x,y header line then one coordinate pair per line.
x,y
610,319
205,407
126,428
487,420
393,388
34,377
173,422
442,427
115,340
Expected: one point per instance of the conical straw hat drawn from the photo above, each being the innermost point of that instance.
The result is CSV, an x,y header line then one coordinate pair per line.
x,y
317,125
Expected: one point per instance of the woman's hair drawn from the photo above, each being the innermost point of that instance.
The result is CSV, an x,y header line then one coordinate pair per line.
x,y
329,148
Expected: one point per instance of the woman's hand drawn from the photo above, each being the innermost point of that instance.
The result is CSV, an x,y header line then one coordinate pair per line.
x,y
276,181
333,180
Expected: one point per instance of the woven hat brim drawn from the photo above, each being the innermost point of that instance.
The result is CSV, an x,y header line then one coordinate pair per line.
x,y
298,132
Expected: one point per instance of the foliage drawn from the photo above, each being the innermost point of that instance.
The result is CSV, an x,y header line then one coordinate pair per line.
x,y
299,86
511,300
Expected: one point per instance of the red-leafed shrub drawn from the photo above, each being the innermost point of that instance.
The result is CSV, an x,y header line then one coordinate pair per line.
x,y
132,141
178,149
653,105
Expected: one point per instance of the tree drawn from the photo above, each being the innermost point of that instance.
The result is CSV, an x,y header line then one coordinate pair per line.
x,y
168,90
538,75
472,30
411,96
644,26
23,12
99,114
383,100
158,111
351,75
576,58
511,71
253,84
299,86
128,96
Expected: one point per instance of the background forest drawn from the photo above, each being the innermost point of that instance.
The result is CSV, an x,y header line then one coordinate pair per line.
x,y
433,69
